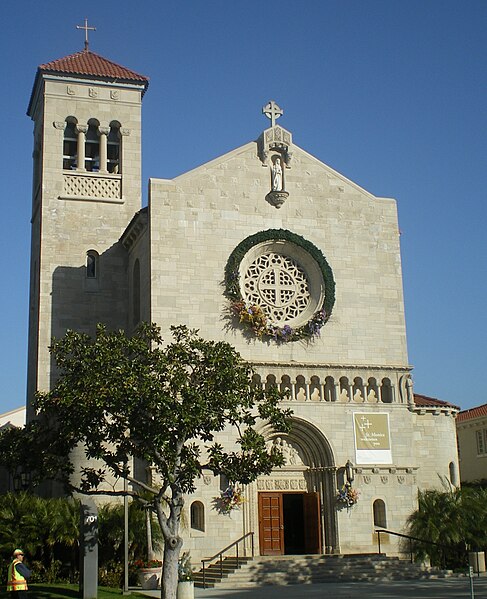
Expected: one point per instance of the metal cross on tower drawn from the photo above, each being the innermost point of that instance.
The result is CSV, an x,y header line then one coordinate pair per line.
x,y
272,111
86,28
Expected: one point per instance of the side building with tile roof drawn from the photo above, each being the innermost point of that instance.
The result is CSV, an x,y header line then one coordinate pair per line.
x,y
472,444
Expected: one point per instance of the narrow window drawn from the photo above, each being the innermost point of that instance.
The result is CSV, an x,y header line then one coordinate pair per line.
x,y
453,474
70,145
92,147
198,516
113,148
480,442
136,293
92,258
380,519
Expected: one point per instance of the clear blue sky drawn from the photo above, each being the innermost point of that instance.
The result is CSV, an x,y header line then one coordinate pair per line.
x,y
391,94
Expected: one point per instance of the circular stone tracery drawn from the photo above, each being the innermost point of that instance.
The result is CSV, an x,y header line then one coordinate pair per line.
x,y
280,286
277,284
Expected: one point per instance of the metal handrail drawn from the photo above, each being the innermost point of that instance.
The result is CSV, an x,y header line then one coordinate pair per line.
x,y
411,539
220,555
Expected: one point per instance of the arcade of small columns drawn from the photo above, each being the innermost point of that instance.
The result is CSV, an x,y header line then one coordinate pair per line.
x,y
357,385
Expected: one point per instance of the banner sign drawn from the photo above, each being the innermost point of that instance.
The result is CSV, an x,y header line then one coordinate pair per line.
x,y
372,439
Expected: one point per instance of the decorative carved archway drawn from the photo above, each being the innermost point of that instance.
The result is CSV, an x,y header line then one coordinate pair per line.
x,y
310,468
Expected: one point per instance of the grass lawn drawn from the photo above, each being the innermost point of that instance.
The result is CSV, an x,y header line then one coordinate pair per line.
x,y
68,591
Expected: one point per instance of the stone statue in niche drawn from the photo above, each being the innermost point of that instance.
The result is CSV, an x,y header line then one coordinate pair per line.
x,y
357,396
409,390
372,396
277,175
343,395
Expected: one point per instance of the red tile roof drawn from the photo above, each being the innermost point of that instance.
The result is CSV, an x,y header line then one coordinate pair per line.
x,y
423,401
91,64
472,413
87,64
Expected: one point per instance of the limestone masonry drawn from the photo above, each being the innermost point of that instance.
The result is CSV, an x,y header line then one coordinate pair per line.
x,y
265,247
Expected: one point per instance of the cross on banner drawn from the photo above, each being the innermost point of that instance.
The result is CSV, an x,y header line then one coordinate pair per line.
x,y
272,112
365,423
86,28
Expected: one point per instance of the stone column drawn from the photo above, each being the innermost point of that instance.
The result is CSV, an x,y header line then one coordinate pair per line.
x,y
323,391
81,130
293,389
121,151
307,394
103,133
337,391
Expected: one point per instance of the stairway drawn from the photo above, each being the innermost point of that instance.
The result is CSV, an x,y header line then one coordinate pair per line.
x,y
308,569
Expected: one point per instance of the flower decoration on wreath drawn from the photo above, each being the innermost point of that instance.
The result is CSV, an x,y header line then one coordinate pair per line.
x,y
230,499
347,496
252,316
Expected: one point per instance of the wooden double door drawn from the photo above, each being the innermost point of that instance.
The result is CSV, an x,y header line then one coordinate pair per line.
x,y
289,523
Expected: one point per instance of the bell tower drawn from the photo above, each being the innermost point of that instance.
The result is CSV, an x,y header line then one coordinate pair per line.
x,y
86,189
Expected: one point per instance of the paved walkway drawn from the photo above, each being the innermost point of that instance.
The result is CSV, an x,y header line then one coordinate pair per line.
x,y
443,588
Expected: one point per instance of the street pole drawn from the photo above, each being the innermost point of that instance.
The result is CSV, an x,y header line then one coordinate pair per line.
x,y
470,575
125,538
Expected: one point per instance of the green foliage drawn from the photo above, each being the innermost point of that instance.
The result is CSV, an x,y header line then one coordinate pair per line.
x,y
111,534
46,529
455,519
120,396
111,574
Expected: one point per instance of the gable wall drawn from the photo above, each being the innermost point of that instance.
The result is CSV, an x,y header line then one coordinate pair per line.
x,y
199,218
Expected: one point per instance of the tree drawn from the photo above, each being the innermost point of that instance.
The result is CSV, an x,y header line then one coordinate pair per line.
x,y
47,529
123,397
455,519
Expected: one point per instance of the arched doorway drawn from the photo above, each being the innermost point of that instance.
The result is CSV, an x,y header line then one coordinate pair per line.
x,y
296,508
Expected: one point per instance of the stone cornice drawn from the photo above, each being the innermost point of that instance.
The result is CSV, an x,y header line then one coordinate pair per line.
x,y
134,229
435,410
329,366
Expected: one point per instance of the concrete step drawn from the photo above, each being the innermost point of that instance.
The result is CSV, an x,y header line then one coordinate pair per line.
x,y
309,569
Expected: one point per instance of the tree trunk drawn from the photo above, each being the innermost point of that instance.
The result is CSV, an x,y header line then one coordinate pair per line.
x,y
169,581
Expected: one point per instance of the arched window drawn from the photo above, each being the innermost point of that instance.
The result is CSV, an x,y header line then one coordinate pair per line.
x,y
285,385
380,518
386,391
373,391
136,293
70,144
452,470
330,392
92,147
113,148
197,516
315,388
92,266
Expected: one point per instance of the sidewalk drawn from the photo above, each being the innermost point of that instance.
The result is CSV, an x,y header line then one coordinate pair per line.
x,y
444,588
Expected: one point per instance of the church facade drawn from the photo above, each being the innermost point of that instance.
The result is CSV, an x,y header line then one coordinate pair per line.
x,y
265,247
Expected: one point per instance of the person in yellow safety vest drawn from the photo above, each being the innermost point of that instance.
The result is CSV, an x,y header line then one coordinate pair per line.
x,y
18,573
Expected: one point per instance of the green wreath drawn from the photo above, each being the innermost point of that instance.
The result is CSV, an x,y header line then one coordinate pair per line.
x,y
253,317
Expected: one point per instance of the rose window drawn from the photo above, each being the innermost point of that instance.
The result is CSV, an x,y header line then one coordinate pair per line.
x,y
277,284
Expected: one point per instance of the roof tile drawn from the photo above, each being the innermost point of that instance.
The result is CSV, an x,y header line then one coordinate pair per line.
x,y
472,413
89,63
423,401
